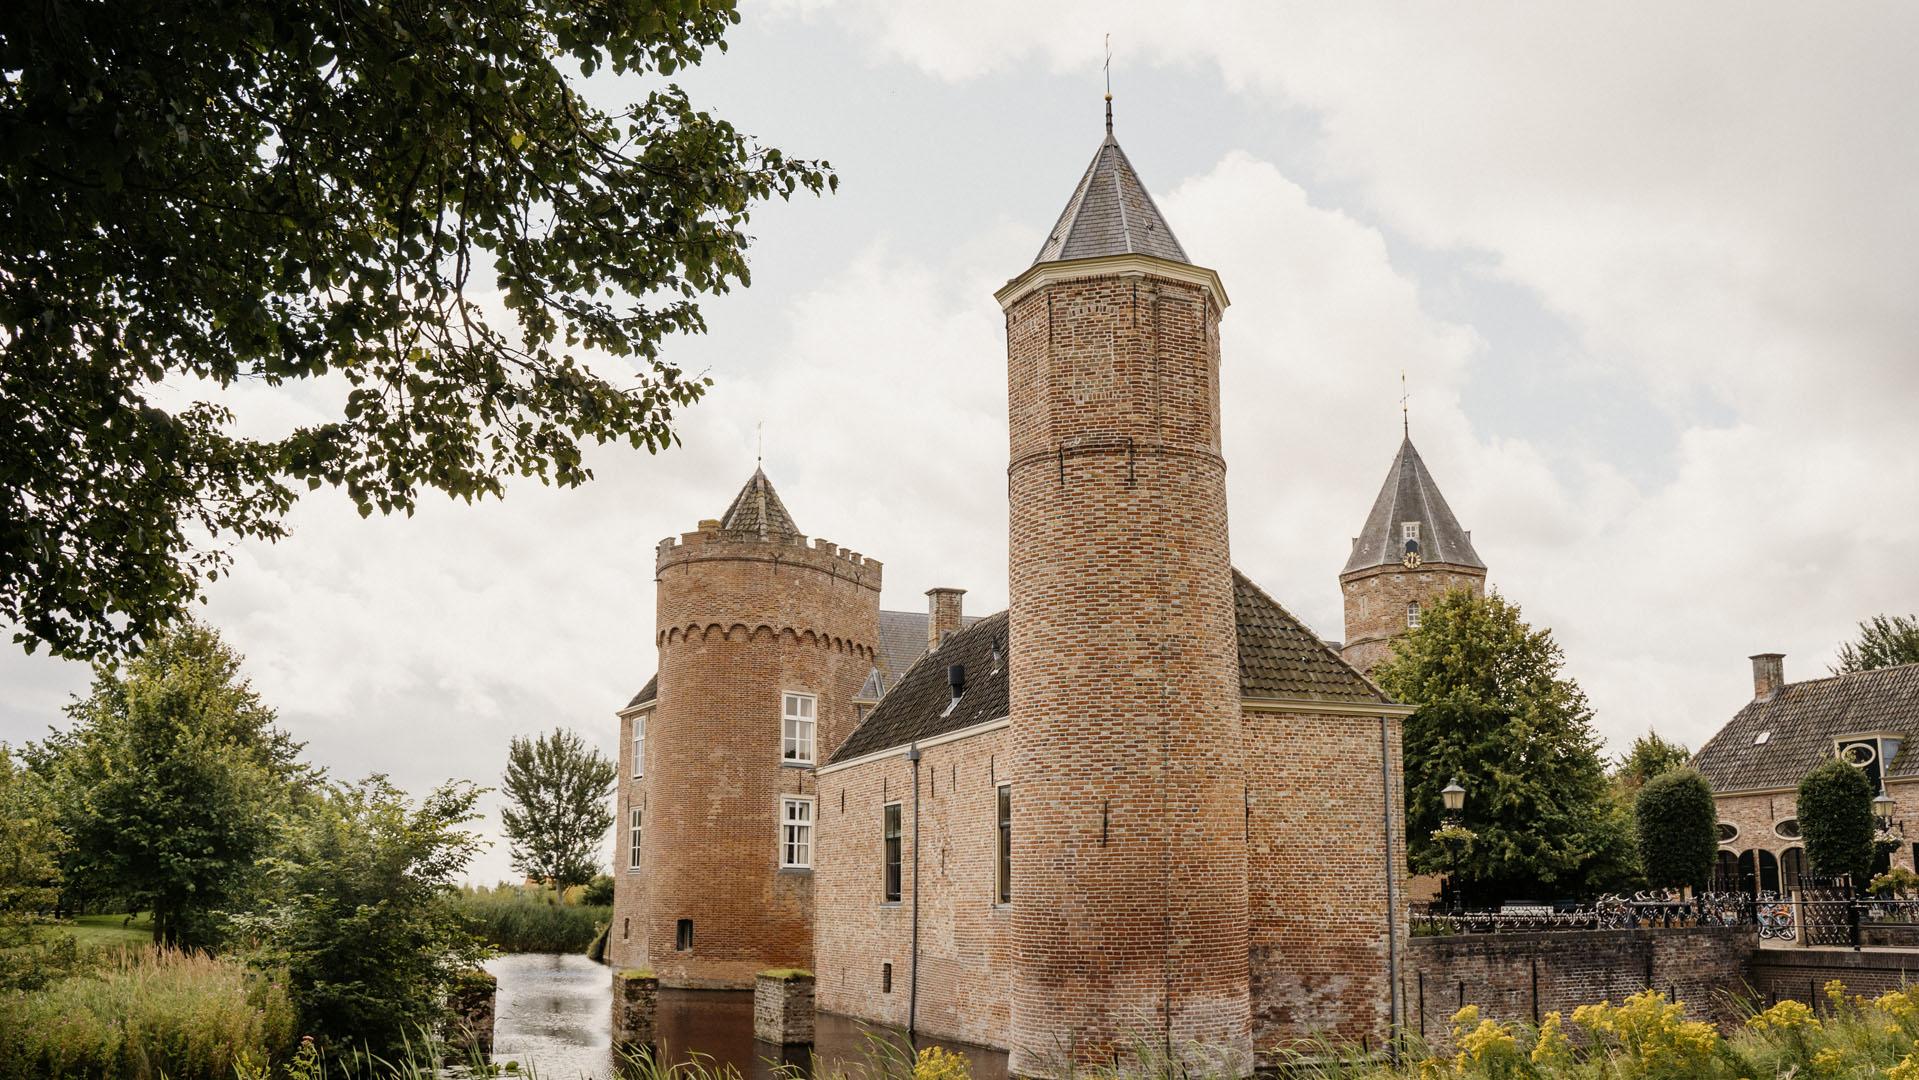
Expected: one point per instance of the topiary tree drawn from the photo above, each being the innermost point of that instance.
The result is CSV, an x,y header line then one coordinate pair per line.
x,y
1677,829
1835,818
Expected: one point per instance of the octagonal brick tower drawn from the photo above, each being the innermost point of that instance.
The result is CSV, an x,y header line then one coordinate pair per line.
x,y
749,613
1129,855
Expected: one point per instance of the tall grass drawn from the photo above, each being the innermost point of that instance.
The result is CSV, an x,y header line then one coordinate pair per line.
x,y
515,919
146,1015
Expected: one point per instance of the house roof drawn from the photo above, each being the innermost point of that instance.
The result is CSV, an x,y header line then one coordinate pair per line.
x,y
647,693
1110,213
758,512
1801,723
903,641
1278,658
1409,494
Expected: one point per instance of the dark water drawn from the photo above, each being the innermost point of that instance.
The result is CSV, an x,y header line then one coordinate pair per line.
x,y
555,1015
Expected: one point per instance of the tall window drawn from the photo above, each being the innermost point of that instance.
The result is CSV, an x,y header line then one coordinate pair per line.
x,y
633,839
796,728
1412,614
1003,887
890,830
796,831
639,745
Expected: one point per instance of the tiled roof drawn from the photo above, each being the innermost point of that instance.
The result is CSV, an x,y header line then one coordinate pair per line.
x,y
1278,658
1110,213
916,707
647,693
903,641
1409,494
1803,719
757,511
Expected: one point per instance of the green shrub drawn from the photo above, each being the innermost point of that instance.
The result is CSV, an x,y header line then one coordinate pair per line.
x,y
1678,829
1835,817
148,1014
599,892
515,919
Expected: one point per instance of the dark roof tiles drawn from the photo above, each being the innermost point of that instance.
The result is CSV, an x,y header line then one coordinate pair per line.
x,y
1802,721
1410,495
1280,658
1110,213
758,512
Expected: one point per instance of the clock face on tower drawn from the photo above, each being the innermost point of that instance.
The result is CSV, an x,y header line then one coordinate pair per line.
x,y
1411,560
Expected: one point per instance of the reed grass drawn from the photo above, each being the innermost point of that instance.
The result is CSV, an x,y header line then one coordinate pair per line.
x,y
515,919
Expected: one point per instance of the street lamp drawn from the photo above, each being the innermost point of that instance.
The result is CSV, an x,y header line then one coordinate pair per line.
x,y
1453,798
1883,808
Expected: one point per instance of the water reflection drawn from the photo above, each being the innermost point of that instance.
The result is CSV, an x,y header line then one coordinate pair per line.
x,y
554,1014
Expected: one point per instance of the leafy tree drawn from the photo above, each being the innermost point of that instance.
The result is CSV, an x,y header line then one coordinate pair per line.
x,y
1835,818
365,923
169,783
1678,829
559,807
1494,710
599,891
410,200
1648,757
1884,641
30,844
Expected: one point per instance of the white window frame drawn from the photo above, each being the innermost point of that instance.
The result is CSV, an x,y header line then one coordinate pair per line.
x,y
639,746
1412,614
796,832
635,829
799,728
1409,530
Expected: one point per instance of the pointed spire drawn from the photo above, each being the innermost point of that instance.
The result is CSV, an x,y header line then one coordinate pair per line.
x,y
1111,212
757,512
1409,496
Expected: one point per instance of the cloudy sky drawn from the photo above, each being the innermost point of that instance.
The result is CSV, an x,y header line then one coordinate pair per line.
x,y
1650,271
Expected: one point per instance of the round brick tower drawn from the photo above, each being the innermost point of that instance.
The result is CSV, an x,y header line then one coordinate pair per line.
x,y
1128,874
764,641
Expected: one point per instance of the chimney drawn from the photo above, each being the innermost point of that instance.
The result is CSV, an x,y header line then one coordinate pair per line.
x,y
943,615
1768,675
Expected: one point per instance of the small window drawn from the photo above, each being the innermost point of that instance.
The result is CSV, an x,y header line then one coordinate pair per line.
x,y
1728,832
1003,885
1762,738
796,832
1787,829
796,728
886,978
1409,530
626,929
683,935
890,833
1412,614
639,745
633,838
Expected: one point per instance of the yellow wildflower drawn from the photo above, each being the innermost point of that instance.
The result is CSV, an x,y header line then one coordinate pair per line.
x,y
935,1063
1552,1049
1786,1017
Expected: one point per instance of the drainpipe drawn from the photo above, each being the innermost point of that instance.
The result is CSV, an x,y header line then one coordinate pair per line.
x,y
913,983
1392,902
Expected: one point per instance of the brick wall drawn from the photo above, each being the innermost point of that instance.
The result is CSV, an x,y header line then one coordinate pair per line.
x,y
1521,977
1316,849
1131,853
1802,974
741,622
966,948
626,941
1376,600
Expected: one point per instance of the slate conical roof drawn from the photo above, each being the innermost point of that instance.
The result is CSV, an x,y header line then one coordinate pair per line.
x,y
758,512
1410,494
1110,213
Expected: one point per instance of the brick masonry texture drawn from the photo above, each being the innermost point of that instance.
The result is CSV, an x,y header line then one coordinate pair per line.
x,y
1131,920
741,621
1376,600
783,1009
1757,818
1522,977
636,998
1802,974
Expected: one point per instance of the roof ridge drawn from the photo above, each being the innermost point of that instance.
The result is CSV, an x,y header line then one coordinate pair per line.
x,y
1240,575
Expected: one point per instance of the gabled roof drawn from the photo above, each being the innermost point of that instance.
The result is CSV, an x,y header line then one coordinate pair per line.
x,y
647,693
1801,722
1110,213
758,512
903,641
1409,494
1279,658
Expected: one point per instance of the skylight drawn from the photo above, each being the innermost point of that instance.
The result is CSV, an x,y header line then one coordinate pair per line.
x,y
1762,738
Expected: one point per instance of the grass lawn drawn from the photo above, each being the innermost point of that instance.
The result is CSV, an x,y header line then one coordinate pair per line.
x,y
90,930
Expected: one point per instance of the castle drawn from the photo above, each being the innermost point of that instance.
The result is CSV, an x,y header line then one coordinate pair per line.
x,y
1145,804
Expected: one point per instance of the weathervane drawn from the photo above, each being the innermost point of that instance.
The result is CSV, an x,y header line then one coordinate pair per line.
x,y
1405,415
1109,84
759,455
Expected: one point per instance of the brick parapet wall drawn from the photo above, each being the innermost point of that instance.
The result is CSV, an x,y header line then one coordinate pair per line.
x,y
1521,977
783,1007
966,946
1801,974
1130,861
1376,600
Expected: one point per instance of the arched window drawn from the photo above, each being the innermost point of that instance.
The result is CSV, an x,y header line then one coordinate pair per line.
x,y
1768,872
1748,871
1792,866
1725,872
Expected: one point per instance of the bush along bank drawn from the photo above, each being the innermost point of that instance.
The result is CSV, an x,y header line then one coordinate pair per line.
x,y
514,919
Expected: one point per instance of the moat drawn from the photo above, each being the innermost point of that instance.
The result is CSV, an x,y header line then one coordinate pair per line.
x,y
554,1015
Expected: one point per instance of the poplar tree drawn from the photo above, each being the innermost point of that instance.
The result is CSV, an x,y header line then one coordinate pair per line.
x,y
559,806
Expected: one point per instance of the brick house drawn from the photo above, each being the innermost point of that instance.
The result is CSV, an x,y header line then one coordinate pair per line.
x,y
1144,805
1756,761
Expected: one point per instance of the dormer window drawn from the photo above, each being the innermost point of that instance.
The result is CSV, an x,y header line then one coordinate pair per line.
x,y
1409,530
1869,754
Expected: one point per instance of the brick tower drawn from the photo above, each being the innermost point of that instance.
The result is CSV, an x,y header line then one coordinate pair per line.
x,y
1410,552
1129,879
764,641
